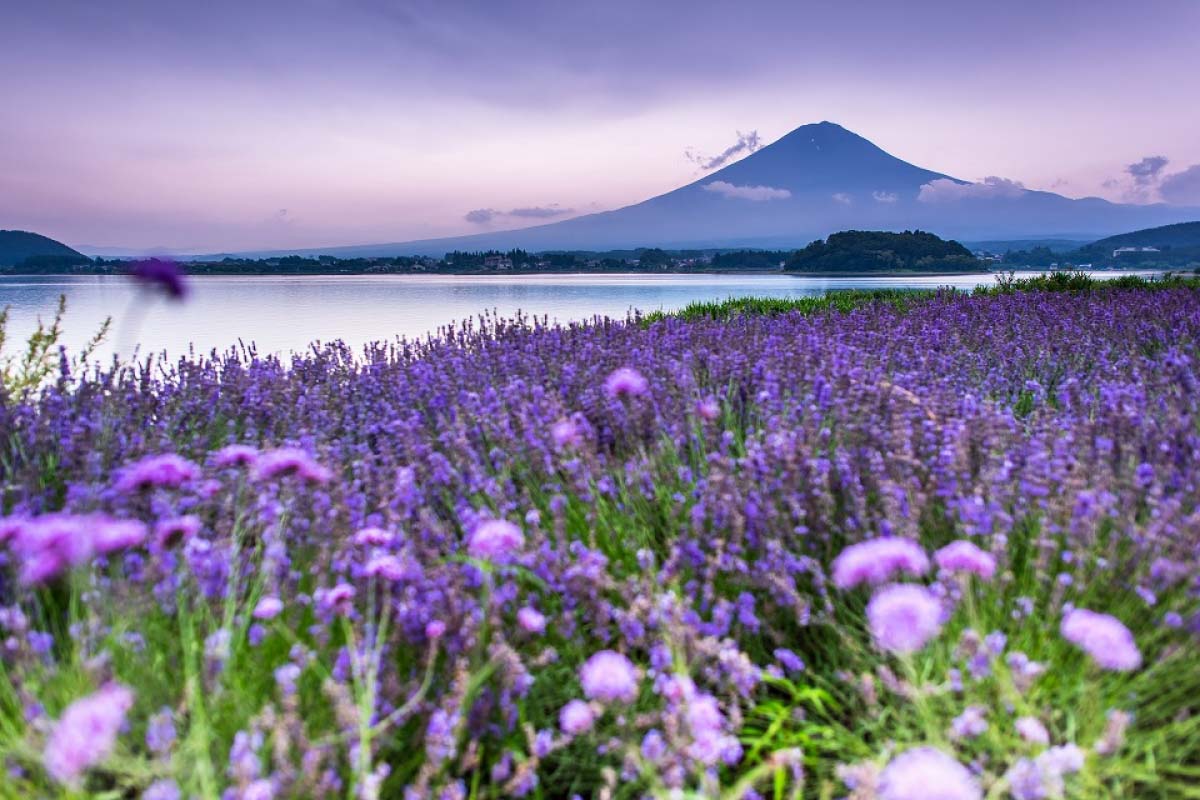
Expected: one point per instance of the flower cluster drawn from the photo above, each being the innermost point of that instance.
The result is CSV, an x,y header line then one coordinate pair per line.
x,y
879,554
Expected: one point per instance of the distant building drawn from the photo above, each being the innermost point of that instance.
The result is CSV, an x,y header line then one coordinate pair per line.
x,y
497,262
1122,250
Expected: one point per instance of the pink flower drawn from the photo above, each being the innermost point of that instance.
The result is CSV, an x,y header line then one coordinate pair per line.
x,y
167,471
964,556
904,617
339,599
170,532
373,537
626,382
435,629
495,540
608,677
289,461
86,733
566,434
532,620
878,560
1032,730
708,409
926,773
576,717
110,536
387,567
1104,637
236,455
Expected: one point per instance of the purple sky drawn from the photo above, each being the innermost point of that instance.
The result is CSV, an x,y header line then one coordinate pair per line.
x,y
242,124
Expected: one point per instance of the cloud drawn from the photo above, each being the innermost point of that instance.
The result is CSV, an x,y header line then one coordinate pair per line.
x,y
746,143
843,198
884,197
483,216
1146,171
944,190
480,216
540,212
757,194
1182,188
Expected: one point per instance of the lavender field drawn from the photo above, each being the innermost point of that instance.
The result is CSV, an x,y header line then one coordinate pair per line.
x,y
942,548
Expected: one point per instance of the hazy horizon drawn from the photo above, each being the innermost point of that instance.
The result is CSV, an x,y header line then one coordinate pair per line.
x,y
223,128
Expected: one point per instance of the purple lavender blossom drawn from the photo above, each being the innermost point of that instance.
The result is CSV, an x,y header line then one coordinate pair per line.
x,y
1104,637
964,556
926,773
164,789
86,733
161,274
267,607
609,677
626,382
876,561
160,732
969,724
904,617
495,540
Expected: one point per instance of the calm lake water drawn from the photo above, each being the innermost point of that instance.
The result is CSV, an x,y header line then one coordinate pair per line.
x,y
283,314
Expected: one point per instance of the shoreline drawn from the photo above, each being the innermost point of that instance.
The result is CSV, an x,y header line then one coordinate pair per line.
x,y
572,274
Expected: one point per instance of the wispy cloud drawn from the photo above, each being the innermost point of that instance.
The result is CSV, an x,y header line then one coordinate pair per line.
x,y
483,216
1146,172
944,190
842,198
756,194
884,197
746,143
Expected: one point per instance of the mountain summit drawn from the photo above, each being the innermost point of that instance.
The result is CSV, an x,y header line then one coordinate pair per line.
x,y
816,180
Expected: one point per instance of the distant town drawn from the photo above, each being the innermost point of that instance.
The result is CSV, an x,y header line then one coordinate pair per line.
x,y
1174,247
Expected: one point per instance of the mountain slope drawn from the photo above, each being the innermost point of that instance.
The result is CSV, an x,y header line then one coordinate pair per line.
x,y
816,180
1183,234
17,246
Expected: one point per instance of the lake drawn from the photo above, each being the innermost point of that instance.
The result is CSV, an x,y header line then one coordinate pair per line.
x,y
286,313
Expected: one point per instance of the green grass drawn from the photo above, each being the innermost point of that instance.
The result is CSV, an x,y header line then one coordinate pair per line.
x,y
844,300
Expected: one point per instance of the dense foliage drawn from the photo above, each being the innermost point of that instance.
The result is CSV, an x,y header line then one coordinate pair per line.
x,y
879,251
944,548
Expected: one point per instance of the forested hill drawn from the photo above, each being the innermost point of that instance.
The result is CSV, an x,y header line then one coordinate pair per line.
x,y
20,247
1183,234
878,251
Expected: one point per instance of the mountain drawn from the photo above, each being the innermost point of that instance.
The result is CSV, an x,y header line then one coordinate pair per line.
x,y
18,246
816,180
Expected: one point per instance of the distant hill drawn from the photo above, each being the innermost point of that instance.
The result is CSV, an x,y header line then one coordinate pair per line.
x,y
21,248
880,251
814,181
1166,247
1183,234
